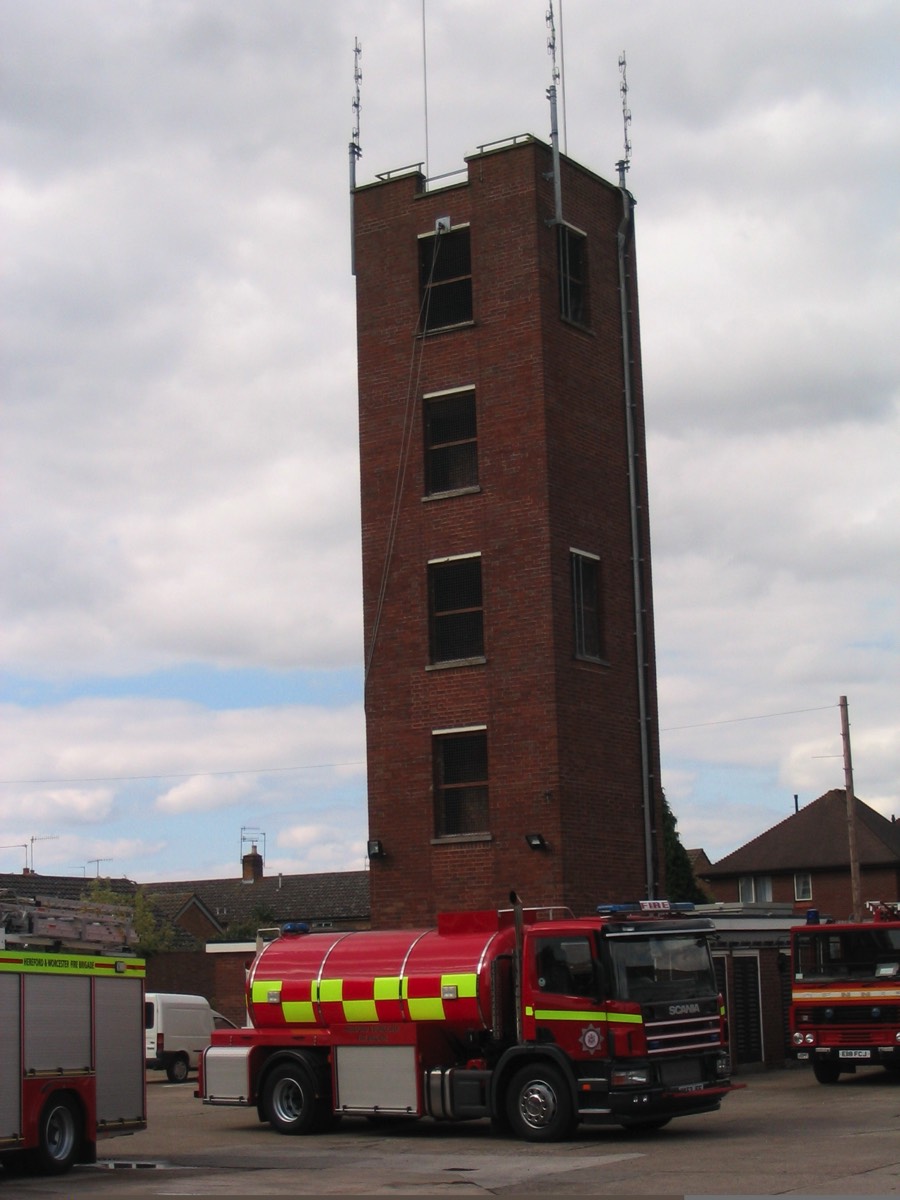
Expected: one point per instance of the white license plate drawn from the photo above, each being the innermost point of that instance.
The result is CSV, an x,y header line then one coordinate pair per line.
x,y
854,1054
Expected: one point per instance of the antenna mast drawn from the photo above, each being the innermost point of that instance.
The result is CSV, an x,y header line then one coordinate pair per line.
x,y
624,164
554,124
355,149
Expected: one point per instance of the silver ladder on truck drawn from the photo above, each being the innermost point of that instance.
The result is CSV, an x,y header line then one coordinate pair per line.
x,y
49,922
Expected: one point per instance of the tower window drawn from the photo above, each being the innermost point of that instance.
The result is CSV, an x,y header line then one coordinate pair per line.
x,y
587,606
456,619
445,277
460,782
451,449
572,246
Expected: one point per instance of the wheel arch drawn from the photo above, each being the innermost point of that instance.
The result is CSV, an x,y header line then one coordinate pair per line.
x,y
521,1056
313,1060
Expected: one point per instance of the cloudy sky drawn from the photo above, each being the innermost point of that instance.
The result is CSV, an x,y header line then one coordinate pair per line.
x,y
181,612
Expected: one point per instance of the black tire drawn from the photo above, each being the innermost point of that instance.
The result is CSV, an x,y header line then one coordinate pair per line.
x,y
59,1135
539,1104
826,1071
177,1069
290,1101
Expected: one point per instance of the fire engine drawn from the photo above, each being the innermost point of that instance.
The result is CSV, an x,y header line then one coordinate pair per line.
x,y
533,1018
845,993
71,1032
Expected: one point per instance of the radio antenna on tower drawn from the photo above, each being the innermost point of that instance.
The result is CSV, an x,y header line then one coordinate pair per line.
x,y
624,164
554,123
355,148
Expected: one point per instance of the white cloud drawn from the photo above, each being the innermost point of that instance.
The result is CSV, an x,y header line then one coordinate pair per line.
x,y
179,420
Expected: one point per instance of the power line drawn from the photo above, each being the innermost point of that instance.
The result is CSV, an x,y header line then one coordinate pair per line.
x,y
187,774
357,762
759,717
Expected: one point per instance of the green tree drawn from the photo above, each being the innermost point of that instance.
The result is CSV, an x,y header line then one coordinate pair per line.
x,y
680,882
153,934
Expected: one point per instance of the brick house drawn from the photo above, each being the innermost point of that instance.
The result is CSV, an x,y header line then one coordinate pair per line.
x,y
511,705
804,860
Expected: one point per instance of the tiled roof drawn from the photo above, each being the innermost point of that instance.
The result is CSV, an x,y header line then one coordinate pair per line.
x,y
328,896
815,838
63,887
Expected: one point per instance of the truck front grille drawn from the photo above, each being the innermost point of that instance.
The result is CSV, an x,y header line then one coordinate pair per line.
x,y
674,1036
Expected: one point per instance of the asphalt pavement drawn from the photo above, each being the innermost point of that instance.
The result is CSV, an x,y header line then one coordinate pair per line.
x,y
782,1134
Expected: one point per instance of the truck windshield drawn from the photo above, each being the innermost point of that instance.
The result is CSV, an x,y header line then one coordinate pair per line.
x,y
670,966
872,953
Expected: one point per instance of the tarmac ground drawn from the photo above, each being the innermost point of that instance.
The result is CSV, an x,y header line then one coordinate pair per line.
x,y
782,1134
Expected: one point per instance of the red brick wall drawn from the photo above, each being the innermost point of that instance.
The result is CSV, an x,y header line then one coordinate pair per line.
x,y
831,890
218,977
563,735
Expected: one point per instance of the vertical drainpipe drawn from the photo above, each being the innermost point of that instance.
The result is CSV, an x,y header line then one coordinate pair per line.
x,y
625,234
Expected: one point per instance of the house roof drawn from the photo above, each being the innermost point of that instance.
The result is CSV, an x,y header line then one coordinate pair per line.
x,y
62,887
327,896
815,838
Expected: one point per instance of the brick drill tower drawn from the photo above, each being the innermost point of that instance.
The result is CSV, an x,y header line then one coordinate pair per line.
x,y
511,706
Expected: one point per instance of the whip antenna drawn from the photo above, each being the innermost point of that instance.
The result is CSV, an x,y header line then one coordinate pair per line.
x,y
554,124
355,149
624,164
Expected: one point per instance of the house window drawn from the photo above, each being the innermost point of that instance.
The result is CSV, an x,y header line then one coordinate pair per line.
x,y
572,247
460,781
755,889
587,607
802,885
455,614
445,277
451,448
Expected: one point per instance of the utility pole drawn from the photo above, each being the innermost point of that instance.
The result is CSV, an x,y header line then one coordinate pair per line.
x,y
855,889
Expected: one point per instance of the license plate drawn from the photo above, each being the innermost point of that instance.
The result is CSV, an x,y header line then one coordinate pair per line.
x,y
854,1054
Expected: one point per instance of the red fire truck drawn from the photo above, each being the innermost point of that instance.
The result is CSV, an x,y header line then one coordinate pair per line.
x,y
71,1034
845,993
533,1018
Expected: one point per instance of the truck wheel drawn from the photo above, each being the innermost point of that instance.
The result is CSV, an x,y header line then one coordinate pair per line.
x,y
59,1135
289,1099
825,1071
539,1105
177,1069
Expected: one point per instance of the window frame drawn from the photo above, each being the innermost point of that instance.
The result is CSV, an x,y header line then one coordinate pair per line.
x,y
580,610
442,790
573,275
807,876
757,883
439,621
459,455
453,292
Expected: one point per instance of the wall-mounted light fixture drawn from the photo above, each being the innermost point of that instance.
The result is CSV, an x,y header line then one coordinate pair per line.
x,y
536,841
375,848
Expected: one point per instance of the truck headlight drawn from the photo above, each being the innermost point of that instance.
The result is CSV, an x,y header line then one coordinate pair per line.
x,y
630,1078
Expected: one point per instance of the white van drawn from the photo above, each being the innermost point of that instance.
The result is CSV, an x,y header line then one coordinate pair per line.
x,y
178,1029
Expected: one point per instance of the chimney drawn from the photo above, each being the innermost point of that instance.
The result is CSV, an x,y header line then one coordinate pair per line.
x,y
252,865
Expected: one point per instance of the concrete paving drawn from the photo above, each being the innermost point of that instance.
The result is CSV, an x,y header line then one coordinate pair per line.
x,y
783,1134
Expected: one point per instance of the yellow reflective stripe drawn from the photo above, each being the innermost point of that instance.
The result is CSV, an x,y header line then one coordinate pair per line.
x,y
360,1010
259,991
426,1009
466,985
298,1012
387,987
64,964
567,1014
331,990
